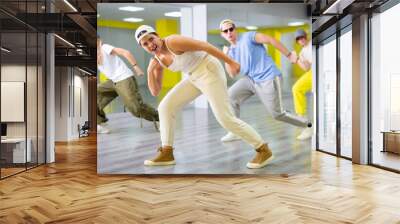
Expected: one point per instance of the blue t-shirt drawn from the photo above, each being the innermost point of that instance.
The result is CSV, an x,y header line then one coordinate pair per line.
x,y
253,58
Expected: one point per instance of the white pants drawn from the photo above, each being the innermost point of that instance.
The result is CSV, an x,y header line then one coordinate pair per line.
x,y
208,79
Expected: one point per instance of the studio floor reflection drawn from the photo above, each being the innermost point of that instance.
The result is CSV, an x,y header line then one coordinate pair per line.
x,y
198,149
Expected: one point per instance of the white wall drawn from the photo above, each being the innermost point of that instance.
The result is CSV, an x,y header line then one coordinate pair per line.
x,y
61,103
33,125
14,73
80,103
71,102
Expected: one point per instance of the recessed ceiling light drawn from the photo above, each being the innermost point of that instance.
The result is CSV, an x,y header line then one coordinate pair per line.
x,y
131,8
296,23
173,14
334,7
64,40
251,27
133,20
84,71
70,5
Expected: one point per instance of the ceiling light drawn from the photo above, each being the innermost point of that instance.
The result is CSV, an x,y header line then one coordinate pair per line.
x,y
251,27
70,5
65,41
131,8
173,14
335,7
133,20
5,49
296,23
84,71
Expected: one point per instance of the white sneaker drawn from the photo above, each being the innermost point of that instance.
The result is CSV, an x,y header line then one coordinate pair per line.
x,y
102,130
230,137
305,134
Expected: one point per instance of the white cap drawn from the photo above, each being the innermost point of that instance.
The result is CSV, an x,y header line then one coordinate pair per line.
x,y
142,31
228,21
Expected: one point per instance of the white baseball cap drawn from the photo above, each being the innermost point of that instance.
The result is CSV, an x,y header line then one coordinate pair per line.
x,y
142,31
228,21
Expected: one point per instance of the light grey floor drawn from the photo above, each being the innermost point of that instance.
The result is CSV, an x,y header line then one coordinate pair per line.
x,y
198,149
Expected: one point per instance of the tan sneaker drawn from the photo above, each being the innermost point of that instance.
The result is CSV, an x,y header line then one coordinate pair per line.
x,y
165,157
263,156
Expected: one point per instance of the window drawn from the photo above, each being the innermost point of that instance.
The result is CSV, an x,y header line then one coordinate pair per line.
x,y
327,96
385,89
346,93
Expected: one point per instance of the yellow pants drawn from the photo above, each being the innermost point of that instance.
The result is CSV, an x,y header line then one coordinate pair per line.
x,y
300,88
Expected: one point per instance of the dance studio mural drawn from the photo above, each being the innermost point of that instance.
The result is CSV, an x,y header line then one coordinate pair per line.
x,y
204,88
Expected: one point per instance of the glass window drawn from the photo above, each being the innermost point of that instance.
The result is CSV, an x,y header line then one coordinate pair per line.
x,y
22,90
346,93
327,96
385,89
14,153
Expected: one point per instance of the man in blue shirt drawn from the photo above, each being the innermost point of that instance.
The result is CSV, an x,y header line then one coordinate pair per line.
x,y
262,77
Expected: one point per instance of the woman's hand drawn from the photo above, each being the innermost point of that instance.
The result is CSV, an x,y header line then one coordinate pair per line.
x,y
233,68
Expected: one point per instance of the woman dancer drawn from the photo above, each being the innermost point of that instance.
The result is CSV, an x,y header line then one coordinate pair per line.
x,y
206,76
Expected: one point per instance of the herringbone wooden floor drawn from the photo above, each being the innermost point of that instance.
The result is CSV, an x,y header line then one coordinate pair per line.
x,y
70,191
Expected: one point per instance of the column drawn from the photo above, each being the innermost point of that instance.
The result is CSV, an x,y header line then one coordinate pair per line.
x,y
194,24
360,90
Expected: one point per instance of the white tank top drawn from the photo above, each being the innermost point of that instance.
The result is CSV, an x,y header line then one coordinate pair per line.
x,y
185,62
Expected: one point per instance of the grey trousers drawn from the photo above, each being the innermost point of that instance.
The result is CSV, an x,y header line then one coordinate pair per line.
x,y
269,92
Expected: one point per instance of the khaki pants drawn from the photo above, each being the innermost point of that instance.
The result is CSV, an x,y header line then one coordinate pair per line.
x,y
128,90
208,79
